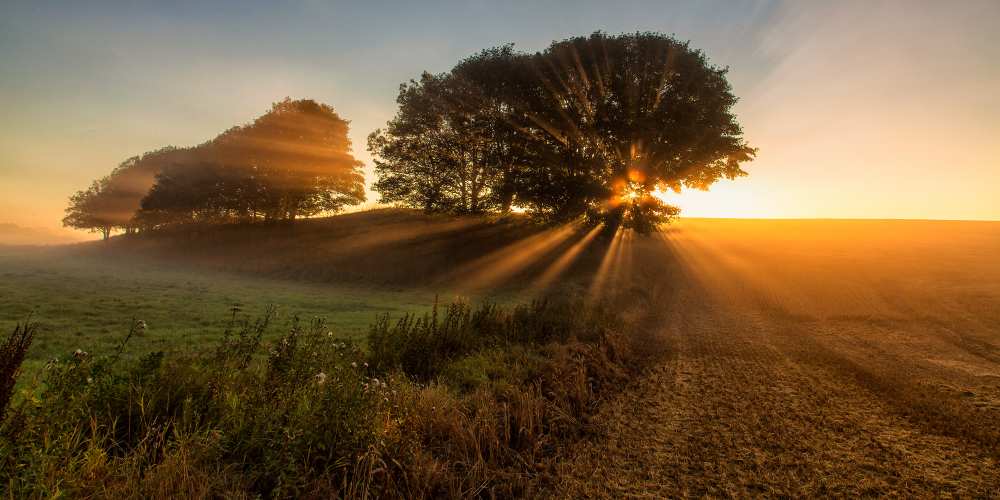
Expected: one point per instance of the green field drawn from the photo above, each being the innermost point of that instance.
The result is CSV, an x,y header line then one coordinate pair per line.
x,y
88,303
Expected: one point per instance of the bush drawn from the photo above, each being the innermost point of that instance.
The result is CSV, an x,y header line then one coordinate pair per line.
x,y
422,345
460,402
12,353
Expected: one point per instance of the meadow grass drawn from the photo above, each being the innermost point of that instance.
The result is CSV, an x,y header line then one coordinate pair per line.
x,y
86,303
309,415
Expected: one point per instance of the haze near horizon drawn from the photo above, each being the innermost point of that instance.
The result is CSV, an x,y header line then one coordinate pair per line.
x,y
858,110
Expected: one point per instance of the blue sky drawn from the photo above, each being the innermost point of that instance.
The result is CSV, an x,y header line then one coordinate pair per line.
x,y
888,105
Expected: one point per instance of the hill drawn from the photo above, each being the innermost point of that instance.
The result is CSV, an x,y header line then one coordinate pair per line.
x,y
383,246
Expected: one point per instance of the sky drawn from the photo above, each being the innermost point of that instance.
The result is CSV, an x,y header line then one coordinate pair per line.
x,y
868,109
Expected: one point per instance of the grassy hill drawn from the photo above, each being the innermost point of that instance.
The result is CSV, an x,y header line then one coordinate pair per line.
x,y
376,247
347,269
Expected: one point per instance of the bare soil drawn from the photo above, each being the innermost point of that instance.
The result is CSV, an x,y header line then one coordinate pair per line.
x,y
808,358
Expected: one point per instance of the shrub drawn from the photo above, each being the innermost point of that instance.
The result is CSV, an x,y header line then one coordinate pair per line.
x,y
422,345
460,402
12,353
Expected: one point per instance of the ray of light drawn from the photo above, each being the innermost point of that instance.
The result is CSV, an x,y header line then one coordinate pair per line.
x,y
597,287
497,266
626,257
557,268
762,276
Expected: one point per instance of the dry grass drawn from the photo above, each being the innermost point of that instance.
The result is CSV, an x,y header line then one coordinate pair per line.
x,y
790,358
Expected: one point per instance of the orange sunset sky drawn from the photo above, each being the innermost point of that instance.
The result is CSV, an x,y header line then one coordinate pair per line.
x,y
860,109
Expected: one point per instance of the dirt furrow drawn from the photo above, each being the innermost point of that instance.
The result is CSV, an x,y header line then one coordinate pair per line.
x,y
741,407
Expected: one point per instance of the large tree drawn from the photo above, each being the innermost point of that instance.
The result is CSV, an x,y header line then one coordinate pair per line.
x,y
588,127
451,147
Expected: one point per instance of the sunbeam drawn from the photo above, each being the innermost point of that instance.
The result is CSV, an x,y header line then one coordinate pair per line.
x,y
500,265
557,268
601,277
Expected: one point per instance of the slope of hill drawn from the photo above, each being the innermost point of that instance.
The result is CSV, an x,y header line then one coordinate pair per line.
x,y
384,246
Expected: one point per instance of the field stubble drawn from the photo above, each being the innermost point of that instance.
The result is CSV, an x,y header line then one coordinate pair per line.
x,y
811,358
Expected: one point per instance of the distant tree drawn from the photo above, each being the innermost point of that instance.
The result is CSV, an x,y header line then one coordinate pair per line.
x,y
90,209
300,157
588,127
294,161
186,193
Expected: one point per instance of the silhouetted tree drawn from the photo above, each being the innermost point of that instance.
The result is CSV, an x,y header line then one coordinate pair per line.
x,y
90,209
627,114
451,146
300,157
588,127
294,161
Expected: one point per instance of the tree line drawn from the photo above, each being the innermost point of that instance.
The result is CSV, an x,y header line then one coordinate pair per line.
x,y
589,128
294,161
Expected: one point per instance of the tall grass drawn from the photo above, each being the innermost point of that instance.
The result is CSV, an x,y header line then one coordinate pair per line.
x,y
12,353
459,402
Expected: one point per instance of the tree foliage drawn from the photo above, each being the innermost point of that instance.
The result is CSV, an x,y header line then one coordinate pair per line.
x,y
590,127
293,161
95,209
449,148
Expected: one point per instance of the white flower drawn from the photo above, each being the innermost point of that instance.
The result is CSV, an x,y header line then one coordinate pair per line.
x,y
353,364
329,334
320,378
79,354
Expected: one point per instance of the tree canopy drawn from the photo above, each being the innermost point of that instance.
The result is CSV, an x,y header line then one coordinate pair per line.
x,y
90,209
589,127
293,161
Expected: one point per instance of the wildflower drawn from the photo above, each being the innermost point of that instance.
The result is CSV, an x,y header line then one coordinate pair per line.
x,y
353,364
90,380
320,378
329,334
366,365
140,325
79,354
